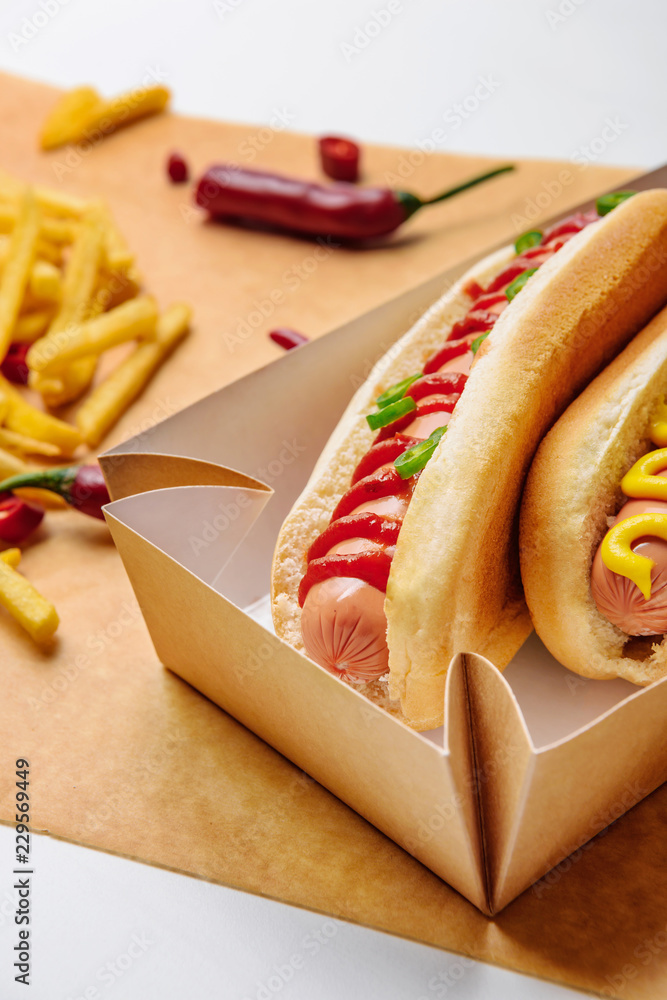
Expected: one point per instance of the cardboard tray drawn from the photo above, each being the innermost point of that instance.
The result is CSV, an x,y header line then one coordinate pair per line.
x,y
530,765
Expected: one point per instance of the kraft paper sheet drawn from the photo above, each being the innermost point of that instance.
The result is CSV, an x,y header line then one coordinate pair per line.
x,y
127,758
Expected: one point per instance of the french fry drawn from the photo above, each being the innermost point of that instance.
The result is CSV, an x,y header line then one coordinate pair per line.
x,y
51,202
12,557
16,441
119,257
110,399
81,272
48,249
117,287
45,281
32,611
102,117
10,465
31,326
70,384
72,106
28,420
79,282
16,272
43,498
133,320
4,405
58,231
50,252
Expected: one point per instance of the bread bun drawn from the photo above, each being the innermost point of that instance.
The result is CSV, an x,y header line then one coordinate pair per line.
x,y
572,489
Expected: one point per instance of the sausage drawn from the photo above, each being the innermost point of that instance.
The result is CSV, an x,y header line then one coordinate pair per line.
x,y
344,628
617,597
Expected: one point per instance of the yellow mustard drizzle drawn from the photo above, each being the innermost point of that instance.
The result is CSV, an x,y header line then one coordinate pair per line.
x,y
658,431
642,482
619,557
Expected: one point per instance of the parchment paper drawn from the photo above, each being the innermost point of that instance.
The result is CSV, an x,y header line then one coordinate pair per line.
x,y
127,758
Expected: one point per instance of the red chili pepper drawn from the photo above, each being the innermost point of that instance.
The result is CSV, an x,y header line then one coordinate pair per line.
x,y
18,519
337,210
15,367
177,168
339,158
286,338
81,486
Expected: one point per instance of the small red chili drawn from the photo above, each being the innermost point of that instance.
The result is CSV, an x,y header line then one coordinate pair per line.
x,y
339,158
15,367
177,168
286,338
18,519
336,210
81,486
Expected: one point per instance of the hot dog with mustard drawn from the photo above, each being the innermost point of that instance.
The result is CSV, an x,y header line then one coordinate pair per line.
x,y
594,521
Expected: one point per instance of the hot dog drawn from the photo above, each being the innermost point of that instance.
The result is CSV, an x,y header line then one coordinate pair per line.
x,y
594,521
397,504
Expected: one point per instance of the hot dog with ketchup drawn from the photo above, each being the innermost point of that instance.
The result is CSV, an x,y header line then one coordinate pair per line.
x,y
594,520
402,549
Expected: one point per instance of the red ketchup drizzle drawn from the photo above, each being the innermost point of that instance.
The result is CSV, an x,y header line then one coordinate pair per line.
x,y
371,567
380,454
383,483
438,403
453,349
375,527
372,482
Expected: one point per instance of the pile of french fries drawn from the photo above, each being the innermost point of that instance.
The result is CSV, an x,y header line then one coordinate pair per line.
x,y
70,289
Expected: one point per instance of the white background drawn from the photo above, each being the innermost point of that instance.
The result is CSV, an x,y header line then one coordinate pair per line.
x,y
559,75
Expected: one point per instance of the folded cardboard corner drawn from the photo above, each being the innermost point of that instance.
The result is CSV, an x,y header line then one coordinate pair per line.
x,y
491,803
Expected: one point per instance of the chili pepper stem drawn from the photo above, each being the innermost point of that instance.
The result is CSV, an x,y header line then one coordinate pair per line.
x,y
51,479
412,202
81,486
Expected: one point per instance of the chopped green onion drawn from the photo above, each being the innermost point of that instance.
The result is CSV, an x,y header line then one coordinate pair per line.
x,y
528,240
607,202
518,283
415,458
392,412
477,342
396,391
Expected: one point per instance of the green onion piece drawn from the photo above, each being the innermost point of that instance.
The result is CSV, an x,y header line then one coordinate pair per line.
x,y
518,283
392,412
396,391
607,202
415,458
474,347
527,240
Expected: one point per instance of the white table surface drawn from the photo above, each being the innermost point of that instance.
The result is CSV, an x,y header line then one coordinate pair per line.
x,y
553,78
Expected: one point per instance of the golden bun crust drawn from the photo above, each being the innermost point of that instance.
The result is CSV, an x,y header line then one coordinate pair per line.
x,y
455,583
572,488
